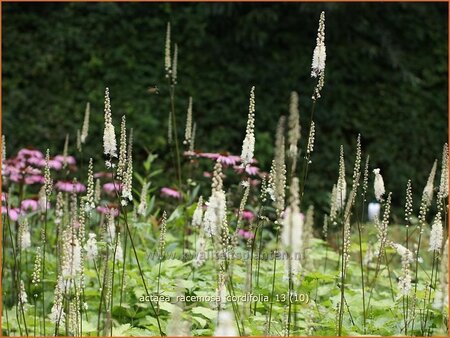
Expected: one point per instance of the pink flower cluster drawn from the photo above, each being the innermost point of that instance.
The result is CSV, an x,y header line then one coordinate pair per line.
x,y
67,186
246,234
27,166
108,209
169,192
27,205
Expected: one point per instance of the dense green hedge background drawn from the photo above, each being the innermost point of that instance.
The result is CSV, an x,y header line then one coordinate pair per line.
x,y
386,78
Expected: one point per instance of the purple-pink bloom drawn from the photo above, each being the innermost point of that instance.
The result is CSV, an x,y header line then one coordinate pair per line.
x,y
34,179
32,153
108,210
110,187
29,204
251,170
68,159
101,174
246,234
67,186
169,192
13,213
248,215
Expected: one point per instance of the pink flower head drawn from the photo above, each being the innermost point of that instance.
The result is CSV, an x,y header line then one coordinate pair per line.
x,y
34,179
111,188
207,174
228,159
248,215
101,174
246,234
52,164
251,170
68,186
224,158
29,153
13,213
108,210
4,196
29,204
70,160
212,156
169,192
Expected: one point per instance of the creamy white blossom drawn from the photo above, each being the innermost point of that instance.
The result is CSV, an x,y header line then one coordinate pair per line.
x,y
319,57
197,218
437,234
109,135
142,208
378,185
23,297
85,128
341,186
91,247
443,185
427,194
294,125
248,146
188,129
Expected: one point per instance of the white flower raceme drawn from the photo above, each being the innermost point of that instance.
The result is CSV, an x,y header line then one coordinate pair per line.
x,y
319,57
427,194
248,146
443,185
24,234
188,129
42,201
341,186
122,164
437,234
57,314
127,189
311,137
215,213
89,199
404,281
91,247
167,62
200,255
48,183
109,135
23,297
294,125
142,208
197,218
225,325
119,252
378,185
292,231
175,64
85,128
319,54
403,252
110,228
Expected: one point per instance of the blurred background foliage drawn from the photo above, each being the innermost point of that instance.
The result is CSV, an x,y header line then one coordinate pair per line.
x,y
386,78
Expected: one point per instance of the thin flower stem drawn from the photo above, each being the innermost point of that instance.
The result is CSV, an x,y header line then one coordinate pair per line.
x,y
272,294
174,122
362,276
